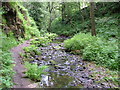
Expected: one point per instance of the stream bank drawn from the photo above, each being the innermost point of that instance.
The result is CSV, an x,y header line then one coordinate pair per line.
x,y
67,70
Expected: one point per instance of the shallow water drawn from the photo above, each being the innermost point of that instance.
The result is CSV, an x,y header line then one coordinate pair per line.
x,y
65,70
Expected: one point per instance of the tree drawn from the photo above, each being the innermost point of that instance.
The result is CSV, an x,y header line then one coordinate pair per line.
x,y
63,11
35,11
50,9
92,16
81,13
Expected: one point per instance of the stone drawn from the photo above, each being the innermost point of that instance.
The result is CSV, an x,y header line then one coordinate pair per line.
x,y
52,62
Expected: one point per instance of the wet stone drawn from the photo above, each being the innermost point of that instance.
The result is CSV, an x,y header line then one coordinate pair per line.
x,y
65,69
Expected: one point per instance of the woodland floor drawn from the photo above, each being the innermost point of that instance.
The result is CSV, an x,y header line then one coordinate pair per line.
x,y
66,70
19,80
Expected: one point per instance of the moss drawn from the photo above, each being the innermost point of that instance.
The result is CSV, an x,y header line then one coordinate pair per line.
x,y
30,28
22,17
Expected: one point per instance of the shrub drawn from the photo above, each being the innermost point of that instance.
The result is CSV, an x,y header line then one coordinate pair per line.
x,y
6,63
95,49
34,72
63,29
44,40
79,41
41,41
32,48
51,36
107,27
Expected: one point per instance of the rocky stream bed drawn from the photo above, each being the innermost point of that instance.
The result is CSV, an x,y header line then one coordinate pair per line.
x,y
67,70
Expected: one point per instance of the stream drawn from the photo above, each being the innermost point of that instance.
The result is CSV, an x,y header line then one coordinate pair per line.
x,y
65,70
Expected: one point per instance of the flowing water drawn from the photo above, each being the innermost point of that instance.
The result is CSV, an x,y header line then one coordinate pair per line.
x,y
65,70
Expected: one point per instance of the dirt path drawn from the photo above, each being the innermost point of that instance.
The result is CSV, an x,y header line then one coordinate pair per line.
x,y
18,79
66,69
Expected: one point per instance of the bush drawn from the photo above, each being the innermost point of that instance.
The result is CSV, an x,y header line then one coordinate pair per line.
x,y
34,72
51,36
6,63
79,41
32,49
44,40
95,49
107,27
30,52
41,41
63,29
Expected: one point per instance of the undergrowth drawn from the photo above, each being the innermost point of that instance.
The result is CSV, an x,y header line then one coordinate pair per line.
x,y
95,49
34,71
106,27
29,25
6,62
32,53
44,40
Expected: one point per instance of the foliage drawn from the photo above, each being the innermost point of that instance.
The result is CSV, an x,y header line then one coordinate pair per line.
x,y
41,14
8,42
27,24
34,72
79,41
62,29
30,48
41,41
51,36
6,62
35,11
107,27
95,49
44,40
30,52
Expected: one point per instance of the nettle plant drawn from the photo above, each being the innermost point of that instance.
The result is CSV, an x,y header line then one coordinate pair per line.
x,y
34,71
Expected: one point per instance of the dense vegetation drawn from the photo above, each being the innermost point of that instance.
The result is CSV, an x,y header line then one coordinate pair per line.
x,y
94,49
43,22
10,34
6,61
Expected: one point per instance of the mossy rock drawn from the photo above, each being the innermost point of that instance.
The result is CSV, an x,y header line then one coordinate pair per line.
x,y
53,62
28,59
27,55
37,52
39,58
56,66
25,59
32,53
56,47
76,52
22,54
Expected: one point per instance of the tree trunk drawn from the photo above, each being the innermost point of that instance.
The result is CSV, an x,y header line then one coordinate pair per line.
x,y
50,8
63,11
93,31
81,13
